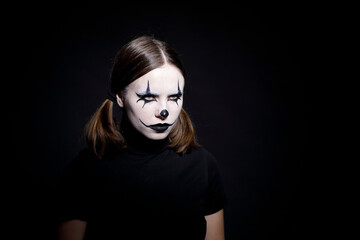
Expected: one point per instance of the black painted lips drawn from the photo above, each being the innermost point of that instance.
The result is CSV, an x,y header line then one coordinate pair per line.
x,y
161,127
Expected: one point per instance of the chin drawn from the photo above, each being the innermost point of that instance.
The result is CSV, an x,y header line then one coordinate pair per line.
x,y
157,136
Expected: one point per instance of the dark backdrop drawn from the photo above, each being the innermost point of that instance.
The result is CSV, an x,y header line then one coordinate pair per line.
x,y
245,94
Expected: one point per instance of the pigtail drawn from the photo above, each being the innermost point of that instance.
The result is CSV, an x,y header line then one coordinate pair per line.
x,y
102,132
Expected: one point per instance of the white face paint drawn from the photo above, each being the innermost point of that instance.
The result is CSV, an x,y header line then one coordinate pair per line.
x,y
153,102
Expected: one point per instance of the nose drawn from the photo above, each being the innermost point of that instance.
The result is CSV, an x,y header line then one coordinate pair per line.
x,y
164,113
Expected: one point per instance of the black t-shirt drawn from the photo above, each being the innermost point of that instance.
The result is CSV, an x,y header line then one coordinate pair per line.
x,y
146,192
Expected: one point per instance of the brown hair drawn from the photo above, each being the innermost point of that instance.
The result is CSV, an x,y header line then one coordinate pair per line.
x,y
134,60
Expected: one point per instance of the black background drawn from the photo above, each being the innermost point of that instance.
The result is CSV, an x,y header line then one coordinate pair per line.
x,y
247,94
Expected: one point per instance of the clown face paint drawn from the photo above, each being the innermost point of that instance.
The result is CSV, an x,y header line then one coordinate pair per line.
x,y
153,102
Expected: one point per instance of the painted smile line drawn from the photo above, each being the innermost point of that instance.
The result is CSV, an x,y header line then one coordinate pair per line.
x,y
160,127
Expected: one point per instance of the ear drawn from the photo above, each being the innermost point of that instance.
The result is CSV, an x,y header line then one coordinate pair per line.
x,y
119,99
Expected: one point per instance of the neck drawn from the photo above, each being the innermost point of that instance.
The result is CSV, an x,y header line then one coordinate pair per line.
x,y
138,143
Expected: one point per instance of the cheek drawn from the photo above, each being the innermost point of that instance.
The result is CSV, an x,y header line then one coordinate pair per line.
x,y
175,109
143,112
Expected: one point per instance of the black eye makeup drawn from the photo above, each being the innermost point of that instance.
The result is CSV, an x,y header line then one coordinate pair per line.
x,y
176,97
147,96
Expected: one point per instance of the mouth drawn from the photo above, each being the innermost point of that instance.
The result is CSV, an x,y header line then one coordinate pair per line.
x,y
160,127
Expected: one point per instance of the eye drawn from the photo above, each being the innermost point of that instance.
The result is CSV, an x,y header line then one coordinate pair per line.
x,y
175,98
146,98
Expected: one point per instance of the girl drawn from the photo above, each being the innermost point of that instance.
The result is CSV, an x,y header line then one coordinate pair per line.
x,y
143,175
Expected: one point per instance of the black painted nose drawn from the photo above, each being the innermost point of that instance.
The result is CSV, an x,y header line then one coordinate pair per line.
x,y
164,113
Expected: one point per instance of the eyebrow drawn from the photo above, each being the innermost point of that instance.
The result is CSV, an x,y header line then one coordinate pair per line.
x,y
179,93
147,91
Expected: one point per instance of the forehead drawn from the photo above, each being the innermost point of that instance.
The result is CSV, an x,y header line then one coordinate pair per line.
x,y
166,78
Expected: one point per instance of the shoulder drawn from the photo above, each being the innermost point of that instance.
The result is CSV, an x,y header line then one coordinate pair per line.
x,y
206,154
203,155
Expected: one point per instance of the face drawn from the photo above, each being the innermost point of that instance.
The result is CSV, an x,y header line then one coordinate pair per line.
x,y
153,102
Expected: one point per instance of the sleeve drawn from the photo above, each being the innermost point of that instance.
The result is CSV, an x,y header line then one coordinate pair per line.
x,y
215,198
75,189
